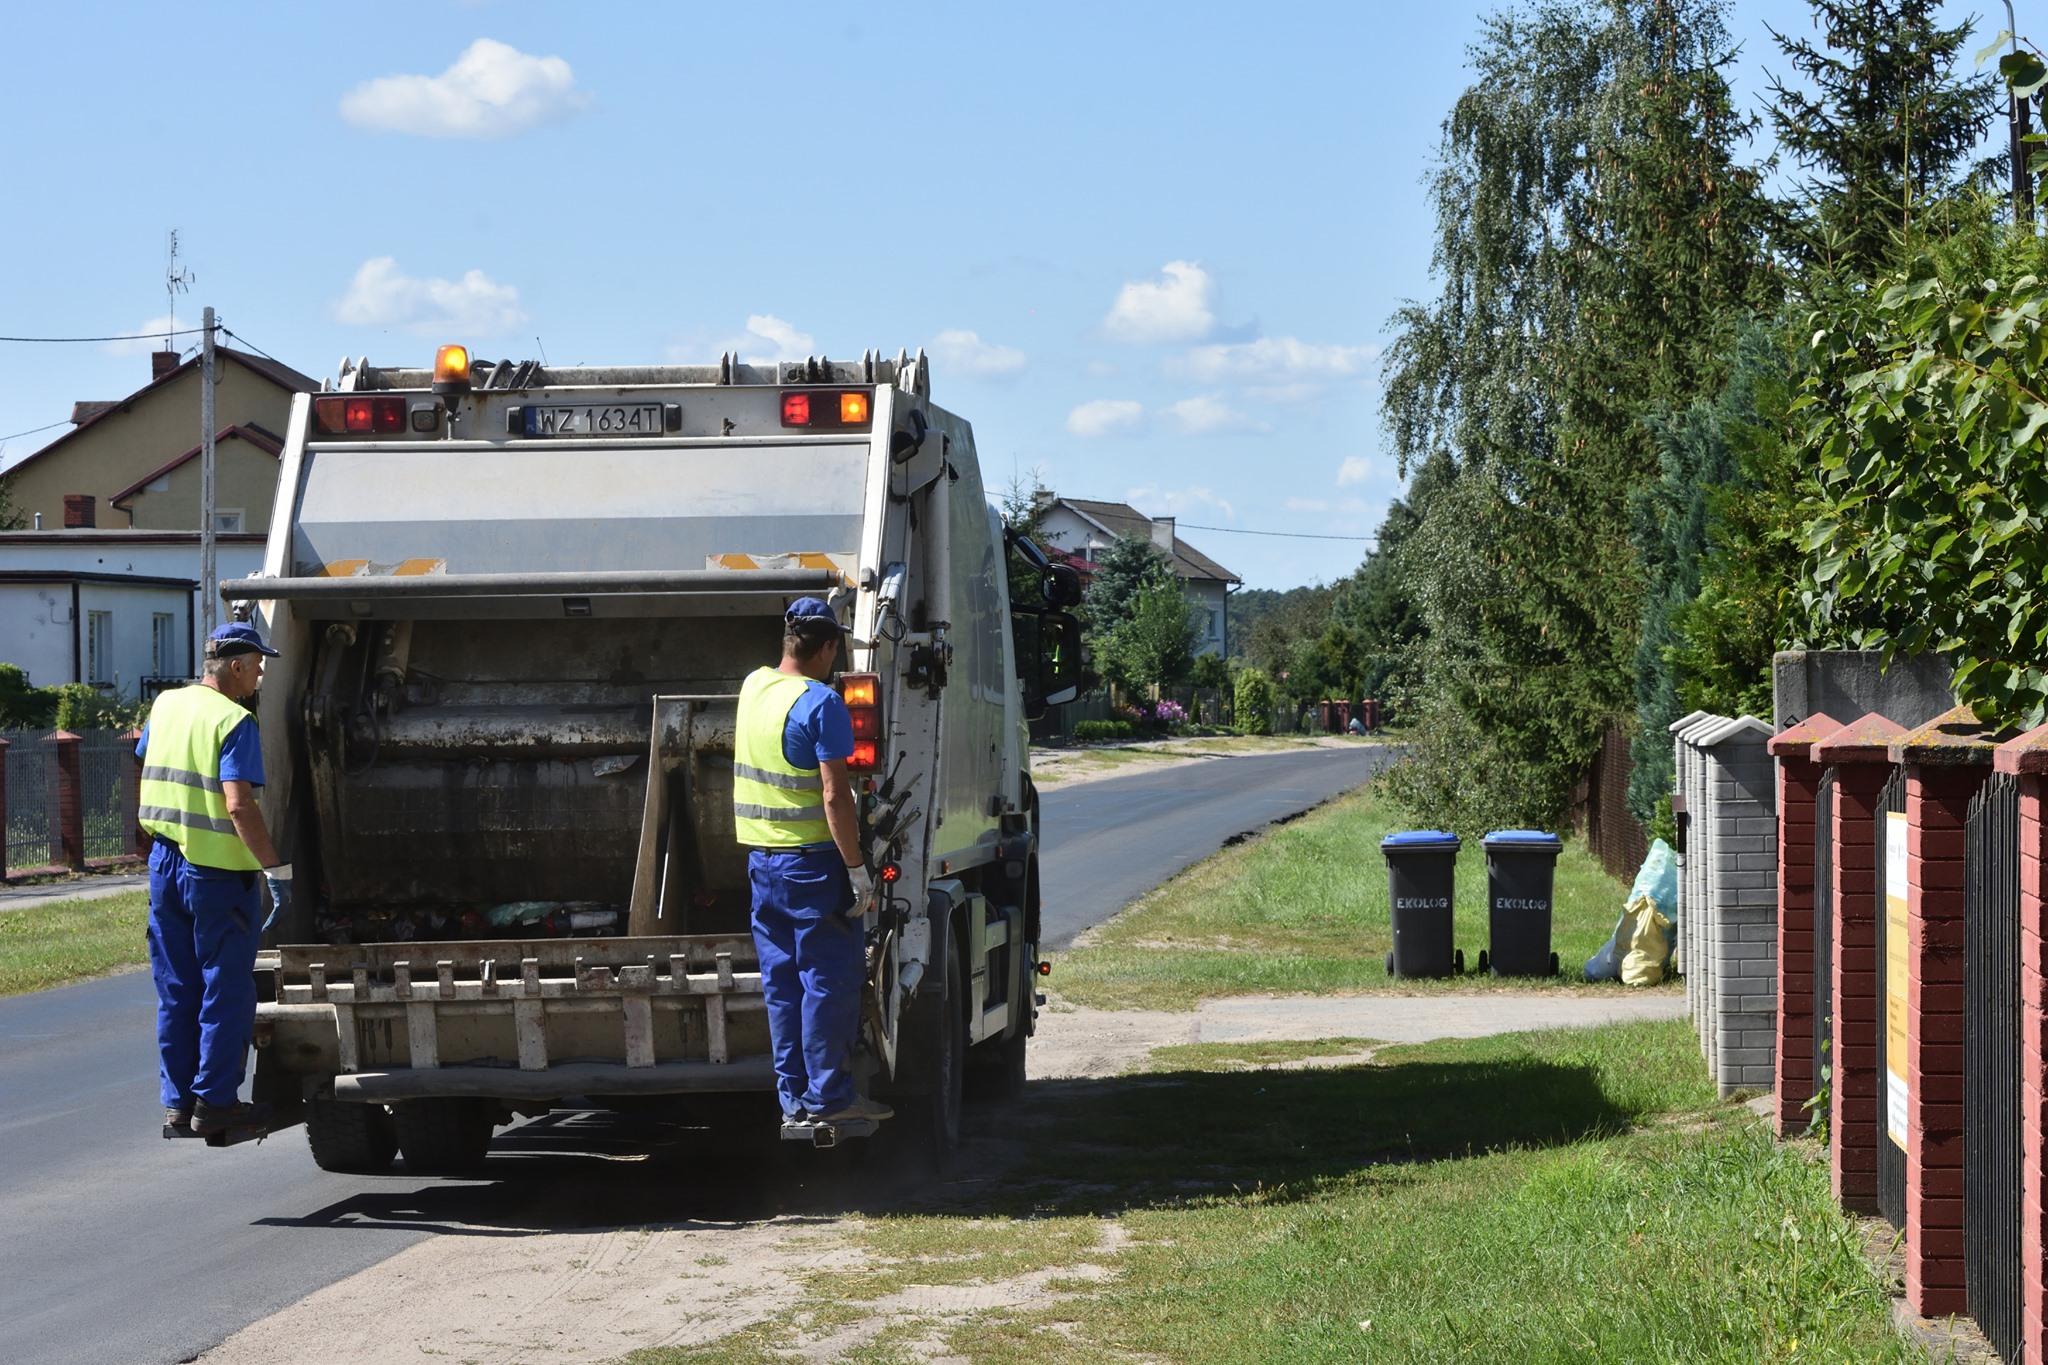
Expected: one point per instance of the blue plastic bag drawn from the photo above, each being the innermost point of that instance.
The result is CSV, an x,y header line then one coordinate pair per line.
x,y
1655,888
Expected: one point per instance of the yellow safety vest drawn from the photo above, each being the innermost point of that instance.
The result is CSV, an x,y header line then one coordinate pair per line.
x,y
774,804
182,799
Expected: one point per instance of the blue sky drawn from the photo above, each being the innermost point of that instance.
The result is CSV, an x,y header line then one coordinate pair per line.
x,y
1152,248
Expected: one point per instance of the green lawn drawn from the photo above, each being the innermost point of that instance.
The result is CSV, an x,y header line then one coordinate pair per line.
x,y
1565,1196
63,941
1303,908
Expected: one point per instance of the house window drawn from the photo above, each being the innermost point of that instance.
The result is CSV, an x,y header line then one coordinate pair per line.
x,y
99,646
1215,624
227,521
163,643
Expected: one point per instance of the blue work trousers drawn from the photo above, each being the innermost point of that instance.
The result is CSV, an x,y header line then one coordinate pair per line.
x,y
204,923
812,965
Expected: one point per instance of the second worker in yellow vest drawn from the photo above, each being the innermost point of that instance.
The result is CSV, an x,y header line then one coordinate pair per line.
x,y
793,810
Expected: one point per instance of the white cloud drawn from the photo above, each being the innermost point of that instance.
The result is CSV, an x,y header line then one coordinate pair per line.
x,y
492,90
1178,306
1105,417
1308,504
382,295
150,336
784,340
1101,369
1355,469
962,350
1207,416
1282,363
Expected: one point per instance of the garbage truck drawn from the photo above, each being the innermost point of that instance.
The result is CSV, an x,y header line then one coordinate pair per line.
x,y
515,604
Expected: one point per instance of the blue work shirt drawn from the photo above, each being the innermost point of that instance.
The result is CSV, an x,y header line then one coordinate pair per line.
x,y
819,728
241,758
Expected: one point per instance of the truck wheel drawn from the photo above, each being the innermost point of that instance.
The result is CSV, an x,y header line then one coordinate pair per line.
x,y
351,1139
931,1117
444,1136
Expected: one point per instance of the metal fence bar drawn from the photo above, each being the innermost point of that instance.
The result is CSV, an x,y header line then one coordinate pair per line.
x,y
1992,1145
1891,1159
105,759
31,818
1823,932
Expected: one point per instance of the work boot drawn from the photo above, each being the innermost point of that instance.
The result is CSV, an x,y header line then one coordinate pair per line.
x,y
178,1122
208,1120
860,1107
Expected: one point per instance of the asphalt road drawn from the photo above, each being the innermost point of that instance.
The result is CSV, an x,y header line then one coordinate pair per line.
x,y
121,1247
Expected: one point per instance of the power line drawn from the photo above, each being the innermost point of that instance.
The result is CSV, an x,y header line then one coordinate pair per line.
x,y
33,430
250,344
128,336
1290,535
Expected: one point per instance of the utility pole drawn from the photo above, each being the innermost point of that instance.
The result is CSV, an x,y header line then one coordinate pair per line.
x,y
209,585
2022,183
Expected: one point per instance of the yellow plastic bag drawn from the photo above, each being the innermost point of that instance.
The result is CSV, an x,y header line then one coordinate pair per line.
x,y
1649,943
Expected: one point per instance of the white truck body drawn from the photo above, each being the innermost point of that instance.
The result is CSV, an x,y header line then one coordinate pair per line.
x,y
514,612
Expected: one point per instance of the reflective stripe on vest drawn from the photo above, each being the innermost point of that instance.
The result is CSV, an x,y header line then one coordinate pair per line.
x,y
182,798
774,803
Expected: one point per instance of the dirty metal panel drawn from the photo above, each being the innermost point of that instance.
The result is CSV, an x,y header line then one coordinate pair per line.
x,y
544,508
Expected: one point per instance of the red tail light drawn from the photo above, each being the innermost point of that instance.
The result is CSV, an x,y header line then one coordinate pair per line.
x,y
890,872
862,693
826,408
340,415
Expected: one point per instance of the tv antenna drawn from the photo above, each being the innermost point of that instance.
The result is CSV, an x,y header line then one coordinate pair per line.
x,y
177,280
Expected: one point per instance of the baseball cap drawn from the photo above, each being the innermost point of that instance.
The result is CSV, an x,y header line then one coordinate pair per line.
x,y
812,613
236,637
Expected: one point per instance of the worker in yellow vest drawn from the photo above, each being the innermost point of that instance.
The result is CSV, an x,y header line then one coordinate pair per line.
x,y
793,810
201,765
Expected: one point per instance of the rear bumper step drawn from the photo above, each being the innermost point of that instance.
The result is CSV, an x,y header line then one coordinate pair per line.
x,y
573,1078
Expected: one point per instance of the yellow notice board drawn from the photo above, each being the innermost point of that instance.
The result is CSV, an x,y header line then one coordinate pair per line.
x,y
1896,959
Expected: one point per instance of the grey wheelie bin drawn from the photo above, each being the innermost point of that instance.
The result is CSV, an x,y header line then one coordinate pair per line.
x,y
1422,866
1521,866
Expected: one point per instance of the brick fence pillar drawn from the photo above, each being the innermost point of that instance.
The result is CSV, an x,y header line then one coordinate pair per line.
x,y
1946,761
2026,759
67,830
131,797
3,809
1798,790
1860,754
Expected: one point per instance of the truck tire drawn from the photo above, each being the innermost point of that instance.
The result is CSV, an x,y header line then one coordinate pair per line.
x,y
930,1116
444,1136
350,1139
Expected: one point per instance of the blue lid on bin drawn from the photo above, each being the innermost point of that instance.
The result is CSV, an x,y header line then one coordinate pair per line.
x,y
1527,840
1420,840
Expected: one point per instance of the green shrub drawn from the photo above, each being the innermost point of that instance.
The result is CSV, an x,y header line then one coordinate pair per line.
x,y
1092,731
22,706
81,706
1254,702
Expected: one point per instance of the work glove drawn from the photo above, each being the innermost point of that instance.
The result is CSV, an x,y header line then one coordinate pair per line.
x,y
279,880
863,889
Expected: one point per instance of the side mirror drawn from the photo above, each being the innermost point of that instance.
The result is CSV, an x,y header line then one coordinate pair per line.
x,y
1059,657
1062,586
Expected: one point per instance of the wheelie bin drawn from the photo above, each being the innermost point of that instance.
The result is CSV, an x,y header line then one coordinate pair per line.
x,y
1422,866
1521,868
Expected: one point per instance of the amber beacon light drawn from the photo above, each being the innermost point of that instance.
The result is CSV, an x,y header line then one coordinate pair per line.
x,y
451,369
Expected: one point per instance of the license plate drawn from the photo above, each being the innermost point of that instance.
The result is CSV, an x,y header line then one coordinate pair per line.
x,y
618,419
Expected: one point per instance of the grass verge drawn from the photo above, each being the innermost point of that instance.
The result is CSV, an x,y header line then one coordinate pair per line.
x,y
1303,908
1564,1196
1049,767
63,941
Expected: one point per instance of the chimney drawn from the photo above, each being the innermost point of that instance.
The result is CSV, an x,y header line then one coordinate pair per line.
x,y
1162,533
78,511
161,363
1042,497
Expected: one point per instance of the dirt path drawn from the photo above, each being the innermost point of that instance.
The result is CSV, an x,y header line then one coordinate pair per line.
x,y
495,1292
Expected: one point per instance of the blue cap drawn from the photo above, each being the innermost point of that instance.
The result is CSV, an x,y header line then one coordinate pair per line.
x,y
1421,839
236,637
1532,839
810,610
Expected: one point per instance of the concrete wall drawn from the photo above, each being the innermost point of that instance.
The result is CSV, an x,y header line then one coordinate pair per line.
x,y
42,635
1728,895
1847,683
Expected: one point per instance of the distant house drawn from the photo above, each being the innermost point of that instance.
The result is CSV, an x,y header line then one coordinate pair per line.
x,y
102,585
1084,530
134,461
